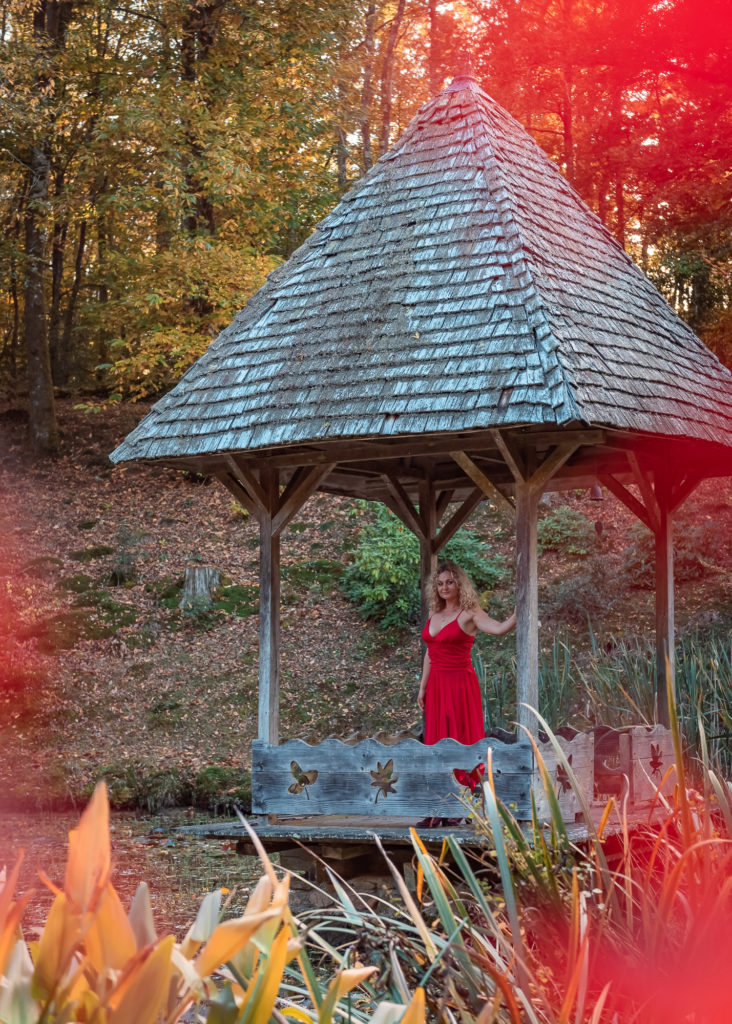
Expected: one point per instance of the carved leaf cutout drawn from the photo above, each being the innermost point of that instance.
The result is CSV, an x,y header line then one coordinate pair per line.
x,y
303,779
563,778
656,759
384,779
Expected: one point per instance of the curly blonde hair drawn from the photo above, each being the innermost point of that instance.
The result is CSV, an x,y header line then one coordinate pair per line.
x,y
467,595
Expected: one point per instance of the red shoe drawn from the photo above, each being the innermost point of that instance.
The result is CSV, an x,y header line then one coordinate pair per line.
x,y
429,823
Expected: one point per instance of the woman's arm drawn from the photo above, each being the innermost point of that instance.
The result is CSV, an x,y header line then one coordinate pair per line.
x,y
481,621
423,684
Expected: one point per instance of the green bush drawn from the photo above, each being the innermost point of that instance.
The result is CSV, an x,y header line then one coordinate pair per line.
x,y
383,580
564,529
585,594
696,542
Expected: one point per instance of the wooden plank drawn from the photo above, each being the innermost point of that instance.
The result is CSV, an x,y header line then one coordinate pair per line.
x,y
511,455
480,479
627,497
527,608
457,519
652,751
269,616
407,512
293,499
554,461
643,484
580,752
360,780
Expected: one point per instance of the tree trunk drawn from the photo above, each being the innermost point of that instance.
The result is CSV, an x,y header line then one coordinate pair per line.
x,y
387,78
432,58
67,346
58,247
42,427
367,91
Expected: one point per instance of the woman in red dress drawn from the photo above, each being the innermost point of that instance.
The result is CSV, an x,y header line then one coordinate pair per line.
x,y
449,693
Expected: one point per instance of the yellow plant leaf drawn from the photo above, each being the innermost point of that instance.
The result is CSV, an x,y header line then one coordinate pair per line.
x,y
345,981
88,865
143,992
414,1013
294,1013
110,941
61,936
228,938
273,967
261,897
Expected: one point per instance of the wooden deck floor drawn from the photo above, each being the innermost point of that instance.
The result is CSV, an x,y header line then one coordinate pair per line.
x,y
339,829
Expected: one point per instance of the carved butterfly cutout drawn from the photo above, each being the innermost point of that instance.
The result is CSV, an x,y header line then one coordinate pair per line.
x,y
563,778
384,779
302,779
656,759
471,779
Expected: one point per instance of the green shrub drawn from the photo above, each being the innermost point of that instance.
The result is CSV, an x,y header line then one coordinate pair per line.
x,y
92,553
696,542
585,594
383,580
564,529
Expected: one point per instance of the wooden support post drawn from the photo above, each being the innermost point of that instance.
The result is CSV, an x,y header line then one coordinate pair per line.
x,y
269,613
664,599
427,545
527,606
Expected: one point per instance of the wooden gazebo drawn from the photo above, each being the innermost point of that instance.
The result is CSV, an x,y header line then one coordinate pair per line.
x,y
461,326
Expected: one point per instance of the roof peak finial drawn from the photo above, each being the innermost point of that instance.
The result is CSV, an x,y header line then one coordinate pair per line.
x,y
464,64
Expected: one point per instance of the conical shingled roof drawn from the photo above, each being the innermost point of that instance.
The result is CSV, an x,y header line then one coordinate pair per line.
x,y
461,284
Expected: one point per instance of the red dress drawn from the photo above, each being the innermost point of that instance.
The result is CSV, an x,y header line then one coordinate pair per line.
x,y
452,699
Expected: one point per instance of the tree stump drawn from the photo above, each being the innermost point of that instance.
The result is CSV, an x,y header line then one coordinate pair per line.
x,y
198,587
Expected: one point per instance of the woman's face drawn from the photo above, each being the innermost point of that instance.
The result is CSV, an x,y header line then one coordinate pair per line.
x,y
447,588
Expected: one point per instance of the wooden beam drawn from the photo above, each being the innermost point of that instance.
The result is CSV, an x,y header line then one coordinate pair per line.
x,y
664,551
554,461
457,519
643,484
242,496
486,485
682,489
550,438
269,614
407,512
293,499
443,501
427,547
248,481
527,607
628,499
511,455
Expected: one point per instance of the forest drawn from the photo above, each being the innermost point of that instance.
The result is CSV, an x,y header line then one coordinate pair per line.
x,y
158,158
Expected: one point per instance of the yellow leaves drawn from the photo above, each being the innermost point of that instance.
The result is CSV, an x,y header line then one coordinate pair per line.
x,y
11,913
88,865
144,990
94,963
110,941
229,938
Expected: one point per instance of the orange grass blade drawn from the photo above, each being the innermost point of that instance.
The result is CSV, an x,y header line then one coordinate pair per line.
x,y
89,863
144,992
228,939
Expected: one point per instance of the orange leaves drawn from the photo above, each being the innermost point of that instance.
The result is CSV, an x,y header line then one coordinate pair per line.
x,y
88,865
98,964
